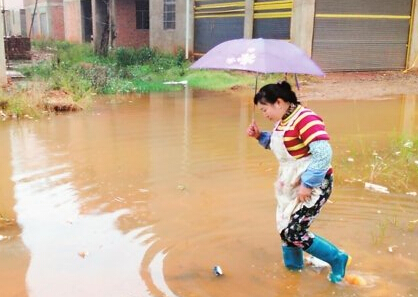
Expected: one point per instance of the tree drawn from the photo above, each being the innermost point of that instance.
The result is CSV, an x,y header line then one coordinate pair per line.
x,y
104,25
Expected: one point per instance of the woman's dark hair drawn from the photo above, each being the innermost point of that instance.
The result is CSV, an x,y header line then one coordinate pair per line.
x,y
271,92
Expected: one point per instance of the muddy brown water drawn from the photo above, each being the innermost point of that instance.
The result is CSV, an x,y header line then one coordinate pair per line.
x,y
144,194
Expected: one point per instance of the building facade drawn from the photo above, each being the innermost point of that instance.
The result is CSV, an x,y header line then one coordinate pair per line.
x,y
78,20
14,18
132,23
340,35
45,19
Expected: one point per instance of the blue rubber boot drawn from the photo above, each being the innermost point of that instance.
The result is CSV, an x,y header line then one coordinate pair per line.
x,y
293,257
326,251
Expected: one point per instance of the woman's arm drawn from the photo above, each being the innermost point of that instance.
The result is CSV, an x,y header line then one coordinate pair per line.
x,y
262,137
321,152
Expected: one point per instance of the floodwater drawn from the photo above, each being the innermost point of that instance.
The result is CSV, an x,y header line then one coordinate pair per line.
x,y
143,195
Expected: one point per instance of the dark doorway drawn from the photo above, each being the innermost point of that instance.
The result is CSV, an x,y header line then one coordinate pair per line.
x,y
87,20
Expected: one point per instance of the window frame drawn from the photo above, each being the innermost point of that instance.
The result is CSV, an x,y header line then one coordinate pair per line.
x,y
142,15
169,15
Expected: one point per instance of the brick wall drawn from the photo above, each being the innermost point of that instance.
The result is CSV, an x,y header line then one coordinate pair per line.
x,y
53,9
56,15
126,33
72,20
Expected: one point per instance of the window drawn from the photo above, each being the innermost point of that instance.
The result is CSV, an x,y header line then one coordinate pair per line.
x,y
169,14
142,14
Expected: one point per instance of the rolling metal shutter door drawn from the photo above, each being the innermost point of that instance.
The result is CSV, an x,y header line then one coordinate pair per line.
x,y
272,19
361,35
217,21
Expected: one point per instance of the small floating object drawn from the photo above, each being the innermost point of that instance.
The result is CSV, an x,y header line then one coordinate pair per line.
x,y
2,237
217,270
376,188
350,159
408,144
390,249
315,262
181,187
354,279
182,82
83,254
411,193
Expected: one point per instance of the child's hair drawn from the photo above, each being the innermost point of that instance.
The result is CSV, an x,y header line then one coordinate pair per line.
x,y
271,92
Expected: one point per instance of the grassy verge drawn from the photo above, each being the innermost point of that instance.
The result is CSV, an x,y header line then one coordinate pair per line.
x,y
394,166
74,70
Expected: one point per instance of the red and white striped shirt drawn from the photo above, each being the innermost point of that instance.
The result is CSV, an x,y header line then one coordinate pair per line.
x,y
304,129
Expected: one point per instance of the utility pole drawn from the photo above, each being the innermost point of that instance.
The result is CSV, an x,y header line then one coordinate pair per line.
x,y
187,29
3,11
33,18
3,76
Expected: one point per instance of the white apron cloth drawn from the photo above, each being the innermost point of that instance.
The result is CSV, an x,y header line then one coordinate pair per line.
x,y
287,183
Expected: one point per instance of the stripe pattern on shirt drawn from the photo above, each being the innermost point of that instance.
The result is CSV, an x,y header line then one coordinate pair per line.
x,y
304,129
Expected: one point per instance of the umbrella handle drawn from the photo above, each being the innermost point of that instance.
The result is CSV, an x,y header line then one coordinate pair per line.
x,y
255,93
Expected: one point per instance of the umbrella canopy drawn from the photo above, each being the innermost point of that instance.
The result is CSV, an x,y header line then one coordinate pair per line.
x,y
258,55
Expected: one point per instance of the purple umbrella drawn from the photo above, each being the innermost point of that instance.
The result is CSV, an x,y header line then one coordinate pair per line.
x,y
258,55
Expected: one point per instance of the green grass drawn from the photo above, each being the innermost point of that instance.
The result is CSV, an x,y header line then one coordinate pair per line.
x,y
394,166
19,104
217,80
128,70
76,70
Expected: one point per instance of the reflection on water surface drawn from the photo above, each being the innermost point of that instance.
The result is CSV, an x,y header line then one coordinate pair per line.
x,y
143,195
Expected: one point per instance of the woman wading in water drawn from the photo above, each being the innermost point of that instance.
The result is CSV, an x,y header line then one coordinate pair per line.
x,y
305,180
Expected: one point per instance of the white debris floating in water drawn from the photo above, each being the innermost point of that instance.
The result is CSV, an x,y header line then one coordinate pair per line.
x,y
376,188
411,193
217,270
390,249
315,262
408,144
182,82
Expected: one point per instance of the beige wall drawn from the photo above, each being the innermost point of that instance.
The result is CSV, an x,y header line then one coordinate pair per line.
x,y
72,21
15,22
413,47
302,24
3,76
13,4
48,21
249,19
172,39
